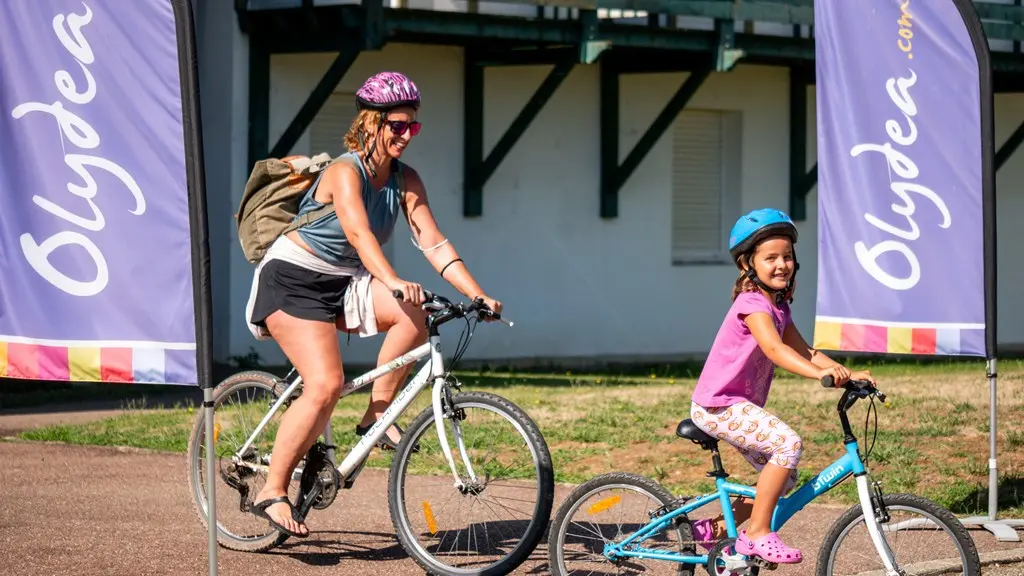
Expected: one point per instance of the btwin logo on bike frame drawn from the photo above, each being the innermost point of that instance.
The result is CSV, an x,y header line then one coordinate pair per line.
x,y
826,477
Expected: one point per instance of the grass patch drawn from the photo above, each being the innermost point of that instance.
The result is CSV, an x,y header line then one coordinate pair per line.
x,y
931,441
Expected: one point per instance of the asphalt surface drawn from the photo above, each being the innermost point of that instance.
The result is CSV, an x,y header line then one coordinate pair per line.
x,y
90,511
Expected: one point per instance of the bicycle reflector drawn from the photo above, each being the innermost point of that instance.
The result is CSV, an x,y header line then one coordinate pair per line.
x,y
602,505
428,514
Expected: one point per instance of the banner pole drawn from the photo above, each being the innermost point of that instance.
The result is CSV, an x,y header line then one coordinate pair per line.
x,y
1003,530
188,62
211,481
993,471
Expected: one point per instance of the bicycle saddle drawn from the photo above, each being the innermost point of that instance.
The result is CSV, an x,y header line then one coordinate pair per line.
x,y
687,429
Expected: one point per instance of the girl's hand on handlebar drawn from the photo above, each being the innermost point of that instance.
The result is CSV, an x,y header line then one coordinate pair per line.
x,y
863,375
411,291
838,372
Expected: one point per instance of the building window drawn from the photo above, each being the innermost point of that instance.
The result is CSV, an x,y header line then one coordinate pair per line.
x,y
706,187
328,129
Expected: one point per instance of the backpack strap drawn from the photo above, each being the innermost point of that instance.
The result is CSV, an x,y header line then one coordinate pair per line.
x,y
308,217
326,209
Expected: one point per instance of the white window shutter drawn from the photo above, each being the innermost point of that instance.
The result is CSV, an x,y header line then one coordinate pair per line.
x,y
705,184
327,130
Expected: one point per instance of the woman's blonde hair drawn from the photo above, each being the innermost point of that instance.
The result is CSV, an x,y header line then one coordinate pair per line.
x,y
362,131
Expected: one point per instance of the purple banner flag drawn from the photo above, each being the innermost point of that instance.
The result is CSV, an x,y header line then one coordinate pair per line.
x,y
902,170
96,239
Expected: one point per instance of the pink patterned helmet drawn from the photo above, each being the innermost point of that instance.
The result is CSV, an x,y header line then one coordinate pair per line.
x,y
387,90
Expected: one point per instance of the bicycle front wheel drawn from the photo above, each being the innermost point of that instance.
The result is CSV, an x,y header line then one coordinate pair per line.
x,y
494,521
924,537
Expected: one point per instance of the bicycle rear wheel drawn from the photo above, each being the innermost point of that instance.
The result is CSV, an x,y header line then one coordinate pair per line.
x,y
505,510
924,537
240,402
607,509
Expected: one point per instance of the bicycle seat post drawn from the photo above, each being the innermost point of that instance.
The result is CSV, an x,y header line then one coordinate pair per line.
x,y
716,460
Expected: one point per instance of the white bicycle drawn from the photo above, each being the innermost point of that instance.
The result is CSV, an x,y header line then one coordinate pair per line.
x,y
500,466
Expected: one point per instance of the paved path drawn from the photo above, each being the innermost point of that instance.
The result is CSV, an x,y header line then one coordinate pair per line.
x,y
91,511
102,511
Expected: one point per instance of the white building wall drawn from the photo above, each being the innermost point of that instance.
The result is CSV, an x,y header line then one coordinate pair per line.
x,y
576,285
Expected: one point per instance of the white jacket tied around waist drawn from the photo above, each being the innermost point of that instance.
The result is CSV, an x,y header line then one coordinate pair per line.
x,y
358,298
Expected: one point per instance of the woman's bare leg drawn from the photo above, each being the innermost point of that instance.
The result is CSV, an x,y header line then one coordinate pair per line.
x,y
312,347
405,328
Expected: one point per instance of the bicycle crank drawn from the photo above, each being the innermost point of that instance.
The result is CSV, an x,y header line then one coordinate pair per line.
x,y
320,481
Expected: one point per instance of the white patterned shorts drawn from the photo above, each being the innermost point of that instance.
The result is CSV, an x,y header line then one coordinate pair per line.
x,y
759,435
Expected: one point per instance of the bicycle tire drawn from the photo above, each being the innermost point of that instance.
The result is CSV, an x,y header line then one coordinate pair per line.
x,y
541,513
193,468
684,531
944,517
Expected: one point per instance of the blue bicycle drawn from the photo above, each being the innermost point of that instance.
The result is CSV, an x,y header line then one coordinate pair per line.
x,y
606,538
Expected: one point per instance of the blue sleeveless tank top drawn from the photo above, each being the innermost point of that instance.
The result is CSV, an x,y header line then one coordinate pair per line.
x,y
325,235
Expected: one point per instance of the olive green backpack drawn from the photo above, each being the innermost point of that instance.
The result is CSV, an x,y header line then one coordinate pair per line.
x,y
272,195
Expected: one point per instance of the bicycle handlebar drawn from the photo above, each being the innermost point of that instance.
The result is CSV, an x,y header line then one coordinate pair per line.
x,y
438,303
858,388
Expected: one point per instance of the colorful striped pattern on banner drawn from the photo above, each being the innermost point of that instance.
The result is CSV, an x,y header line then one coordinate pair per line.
x,y
855,337
84,364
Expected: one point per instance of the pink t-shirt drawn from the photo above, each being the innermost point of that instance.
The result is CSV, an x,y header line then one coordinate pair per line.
x,y
736,368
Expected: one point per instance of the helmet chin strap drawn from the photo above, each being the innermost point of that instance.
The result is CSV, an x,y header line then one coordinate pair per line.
x,y
780,295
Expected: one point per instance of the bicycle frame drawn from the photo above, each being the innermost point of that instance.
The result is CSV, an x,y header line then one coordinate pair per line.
x,y
830,477
356,457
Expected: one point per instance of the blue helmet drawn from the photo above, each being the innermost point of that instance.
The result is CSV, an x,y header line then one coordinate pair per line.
x,y
756,226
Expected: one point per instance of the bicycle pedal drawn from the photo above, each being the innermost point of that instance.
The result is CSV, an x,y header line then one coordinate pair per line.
x,y
763,564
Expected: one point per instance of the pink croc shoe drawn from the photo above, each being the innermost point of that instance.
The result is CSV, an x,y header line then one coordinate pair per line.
x,y
704,533
768,547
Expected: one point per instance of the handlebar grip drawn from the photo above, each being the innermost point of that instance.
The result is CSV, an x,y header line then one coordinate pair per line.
x,y
427,294
829,381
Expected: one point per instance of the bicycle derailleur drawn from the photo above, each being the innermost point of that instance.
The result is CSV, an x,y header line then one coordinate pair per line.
x,y
239,476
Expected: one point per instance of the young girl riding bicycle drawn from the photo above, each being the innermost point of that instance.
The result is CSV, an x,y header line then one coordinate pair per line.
x,y
757,335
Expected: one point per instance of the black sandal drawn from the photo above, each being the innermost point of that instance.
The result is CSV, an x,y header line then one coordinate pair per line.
x,y
259,509
386,443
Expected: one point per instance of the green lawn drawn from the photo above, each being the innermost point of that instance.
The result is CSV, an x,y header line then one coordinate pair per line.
x,y
932,440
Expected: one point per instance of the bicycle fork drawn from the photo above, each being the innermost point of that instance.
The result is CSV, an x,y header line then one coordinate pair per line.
x,y
444,409
875,513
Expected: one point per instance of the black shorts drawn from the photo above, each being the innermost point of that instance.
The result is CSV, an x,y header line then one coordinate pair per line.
x,y
299,292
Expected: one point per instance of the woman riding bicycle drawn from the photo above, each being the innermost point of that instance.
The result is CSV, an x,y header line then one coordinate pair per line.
x,y
757,335
331,275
